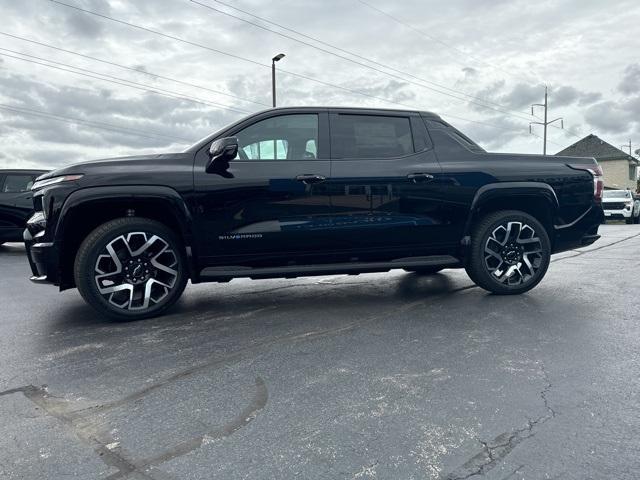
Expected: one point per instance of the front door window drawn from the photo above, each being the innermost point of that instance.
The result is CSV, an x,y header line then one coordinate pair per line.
x,y
287,137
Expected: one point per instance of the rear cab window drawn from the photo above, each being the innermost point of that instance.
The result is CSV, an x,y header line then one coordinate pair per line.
x,y
453,133
356,136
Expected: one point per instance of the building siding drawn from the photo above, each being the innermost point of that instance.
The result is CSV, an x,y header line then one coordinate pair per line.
x,y
616,174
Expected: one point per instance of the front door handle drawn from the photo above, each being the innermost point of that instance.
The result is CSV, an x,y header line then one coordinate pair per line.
x,y
310,178
419,177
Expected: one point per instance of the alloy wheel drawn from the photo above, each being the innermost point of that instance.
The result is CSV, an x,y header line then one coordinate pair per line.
x,y
136,270
513,253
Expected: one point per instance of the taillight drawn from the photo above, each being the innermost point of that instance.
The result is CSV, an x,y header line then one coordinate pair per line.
x,y
598,178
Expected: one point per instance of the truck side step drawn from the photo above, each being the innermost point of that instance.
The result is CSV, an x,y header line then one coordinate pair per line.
x,y
225,273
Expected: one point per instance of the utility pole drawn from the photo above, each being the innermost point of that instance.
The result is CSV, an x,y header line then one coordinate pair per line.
x,y
627,145
275,59
545,123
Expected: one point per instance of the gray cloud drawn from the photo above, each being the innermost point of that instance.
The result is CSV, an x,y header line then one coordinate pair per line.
x,y
567,95
85,26
630,82
509,66
522,96
610,117
589,98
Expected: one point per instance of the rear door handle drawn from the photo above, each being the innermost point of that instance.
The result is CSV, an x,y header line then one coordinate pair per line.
x,y
419,177
310,178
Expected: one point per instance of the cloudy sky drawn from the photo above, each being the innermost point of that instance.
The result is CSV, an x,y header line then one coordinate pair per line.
x,y
160,74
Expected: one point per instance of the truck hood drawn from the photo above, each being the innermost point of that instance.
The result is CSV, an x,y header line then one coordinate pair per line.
x,y
124,165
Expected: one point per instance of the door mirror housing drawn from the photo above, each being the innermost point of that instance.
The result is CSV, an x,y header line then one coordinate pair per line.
x,y
221,152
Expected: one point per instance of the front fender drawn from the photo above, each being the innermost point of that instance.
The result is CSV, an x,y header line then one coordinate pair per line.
x,y
167,195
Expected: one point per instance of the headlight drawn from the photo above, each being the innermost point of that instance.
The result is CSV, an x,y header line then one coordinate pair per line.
x,y
37,220
52,181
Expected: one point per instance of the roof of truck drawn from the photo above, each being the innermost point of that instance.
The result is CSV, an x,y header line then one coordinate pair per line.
x,y
357,109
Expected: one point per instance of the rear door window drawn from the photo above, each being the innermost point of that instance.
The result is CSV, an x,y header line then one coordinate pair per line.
x,y
370,136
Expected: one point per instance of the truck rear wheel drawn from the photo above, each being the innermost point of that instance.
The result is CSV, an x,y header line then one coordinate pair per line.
x,y
131,268
509,253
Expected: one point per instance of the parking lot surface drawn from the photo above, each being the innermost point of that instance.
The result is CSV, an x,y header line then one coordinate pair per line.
x,y
389,376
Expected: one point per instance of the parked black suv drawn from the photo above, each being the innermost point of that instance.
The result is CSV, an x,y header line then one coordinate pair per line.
x,y
308,191
16,204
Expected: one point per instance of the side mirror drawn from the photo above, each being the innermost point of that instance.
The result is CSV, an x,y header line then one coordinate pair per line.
x,y
222,151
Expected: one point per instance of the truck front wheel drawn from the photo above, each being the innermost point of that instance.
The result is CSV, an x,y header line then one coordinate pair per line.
x,y
509,253
131,268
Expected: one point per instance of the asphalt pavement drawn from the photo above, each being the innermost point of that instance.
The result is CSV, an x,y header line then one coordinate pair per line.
x,y
386,376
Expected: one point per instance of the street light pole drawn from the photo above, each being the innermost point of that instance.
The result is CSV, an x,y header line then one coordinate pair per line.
x,y
275,59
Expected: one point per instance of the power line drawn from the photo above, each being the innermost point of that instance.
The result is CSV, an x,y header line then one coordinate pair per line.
x,y
90,123
138,70
298,75
117,80
437,40
548,141
412,107
156,32
206,47
347,52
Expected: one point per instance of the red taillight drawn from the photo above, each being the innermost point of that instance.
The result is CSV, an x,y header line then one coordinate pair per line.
x,y
598,178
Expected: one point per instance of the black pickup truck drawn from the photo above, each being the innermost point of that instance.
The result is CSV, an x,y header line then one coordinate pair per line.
x,y
16,203
308,191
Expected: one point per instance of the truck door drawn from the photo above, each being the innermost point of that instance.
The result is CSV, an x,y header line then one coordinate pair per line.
x,y
272,202
382,178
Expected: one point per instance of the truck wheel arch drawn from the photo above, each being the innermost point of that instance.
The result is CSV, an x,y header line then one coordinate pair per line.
x,y
536,198
106,203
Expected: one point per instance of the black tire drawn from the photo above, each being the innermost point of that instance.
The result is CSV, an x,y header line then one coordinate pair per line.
x,y
516,254
150,274
424,270
628,221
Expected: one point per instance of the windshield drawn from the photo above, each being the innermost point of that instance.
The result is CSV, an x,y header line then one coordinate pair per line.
x,y
617,194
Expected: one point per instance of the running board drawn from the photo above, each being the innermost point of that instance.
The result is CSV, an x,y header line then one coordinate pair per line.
x,y
226,273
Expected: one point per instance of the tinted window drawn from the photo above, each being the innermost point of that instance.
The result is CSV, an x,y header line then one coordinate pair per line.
x,y
17,183
288,137
370,136
455,134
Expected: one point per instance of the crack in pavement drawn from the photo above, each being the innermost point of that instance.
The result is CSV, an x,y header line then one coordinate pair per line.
x,y
583,252
247,415
495,450
99,439
110,451
79,420
86,432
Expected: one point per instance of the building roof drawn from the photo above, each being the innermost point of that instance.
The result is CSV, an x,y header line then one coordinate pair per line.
x,y
594,146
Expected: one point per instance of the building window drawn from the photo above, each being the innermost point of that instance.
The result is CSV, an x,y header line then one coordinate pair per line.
x,y
633,174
